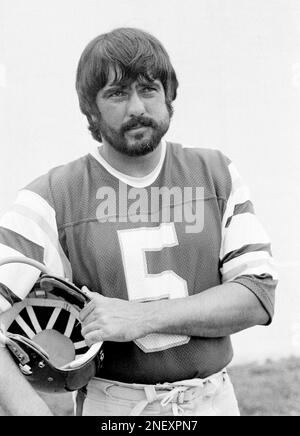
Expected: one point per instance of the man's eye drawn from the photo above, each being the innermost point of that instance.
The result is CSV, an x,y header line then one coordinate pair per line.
x,y
148,89
118,94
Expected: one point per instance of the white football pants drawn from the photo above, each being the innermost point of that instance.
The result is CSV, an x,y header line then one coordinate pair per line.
x,y
213,396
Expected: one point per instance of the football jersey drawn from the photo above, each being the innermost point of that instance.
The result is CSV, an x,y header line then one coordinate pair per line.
x,y
186,227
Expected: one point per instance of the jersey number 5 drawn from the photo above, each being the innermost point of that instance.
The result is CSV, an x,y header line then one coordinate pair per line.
x,y
142,286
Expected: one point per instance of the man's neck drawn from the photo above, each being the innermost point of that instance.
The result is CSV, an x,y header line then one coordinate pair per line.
x,y
134,166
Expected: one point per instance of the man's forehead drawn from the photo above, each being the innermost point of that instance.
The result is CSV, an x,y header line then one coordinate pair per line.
x,y
115,79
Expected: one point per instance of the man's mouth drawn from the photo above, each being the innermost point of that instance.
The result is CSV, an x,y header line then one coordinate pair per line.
x,y
138,125
136,128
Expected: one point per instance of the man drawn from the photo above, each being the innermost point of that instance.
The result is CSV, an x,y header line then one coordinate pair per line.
x,y
163,239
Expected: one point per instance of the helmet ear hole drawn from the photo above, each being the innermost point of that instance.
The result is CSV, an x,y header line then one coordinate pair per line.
x,y
58,346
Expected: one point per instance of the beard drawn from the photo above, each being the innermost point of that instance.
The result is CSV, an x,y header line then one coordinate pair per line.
x,y
140,143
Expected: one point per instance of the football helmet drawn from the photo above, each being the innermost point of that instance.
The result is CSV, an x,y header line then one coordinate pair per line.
x,y
43,334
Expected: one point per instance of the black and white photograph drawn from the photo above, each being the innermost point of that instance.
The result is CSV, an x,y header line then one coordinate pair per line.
x,y
150,210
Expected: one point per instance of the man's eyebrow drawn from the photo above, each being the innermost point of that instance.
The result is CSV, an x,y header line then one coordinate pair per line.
x,y
113,87
145,81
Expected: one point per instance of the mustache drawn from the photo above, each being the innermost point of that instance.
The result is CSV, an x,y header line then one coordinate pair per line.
x,y
139,121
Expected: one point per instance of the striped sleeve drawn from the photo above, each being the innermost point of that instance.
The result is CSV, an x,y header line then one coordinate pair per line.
x,y
28,229
246,255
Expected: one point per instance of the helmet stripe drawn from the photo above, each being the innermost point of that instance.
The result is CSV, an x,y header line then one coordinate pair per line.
x,y
25,327
70,326
33,319
53,318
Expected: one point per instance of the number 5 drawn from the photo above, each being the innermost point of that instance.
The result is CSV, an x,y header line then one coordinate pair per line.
x,y
142,286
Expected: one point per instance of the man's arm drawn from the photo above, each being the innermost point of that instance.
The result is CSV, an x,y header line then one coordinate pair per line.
x,y
217,312
244,299
17,397
27,229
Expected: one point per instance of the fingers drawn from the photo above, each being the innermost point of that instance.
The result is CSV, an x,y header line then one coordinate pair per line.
x,y
93,337
86,311
90,327
90,324
87,292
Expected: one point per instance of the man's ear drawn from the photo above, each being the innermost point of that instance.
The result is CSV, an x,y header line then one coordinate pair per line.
x,y
92,117
94,113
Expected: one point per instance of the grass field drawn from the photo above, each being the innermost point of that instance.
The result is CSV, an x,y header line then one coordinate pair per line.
x,y
269,389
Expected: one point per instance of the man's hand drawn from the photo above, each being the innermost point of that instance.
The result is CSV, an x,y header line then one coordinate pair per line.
x,y
111,319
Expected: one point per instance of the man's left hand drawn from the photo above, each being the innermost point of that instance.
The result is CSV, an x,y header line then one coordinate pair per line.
x,y
111,319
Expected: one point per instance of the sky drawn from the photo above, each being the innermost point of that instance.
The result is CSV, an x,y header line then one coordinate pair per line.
x,y
238,65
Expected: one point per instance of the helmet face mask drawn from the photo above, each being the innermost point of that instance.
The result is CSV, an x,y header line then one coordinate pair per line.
x,y
43,335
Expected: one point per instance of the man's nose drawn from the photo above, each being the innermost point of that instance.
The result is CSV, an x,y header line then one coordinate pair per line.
x,y
135,106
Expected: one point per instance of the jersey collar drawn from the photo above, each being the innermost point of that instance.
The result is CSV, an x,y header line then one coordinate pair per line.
x,y
136,182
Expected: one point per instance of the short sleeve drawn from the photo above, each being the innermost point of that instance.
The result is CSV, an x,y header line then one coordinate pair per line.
x,y
246,255
29,229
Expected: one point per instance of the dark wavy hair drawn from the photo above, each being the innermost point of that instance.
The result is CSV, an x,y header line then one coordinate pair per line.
x,y
131,54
